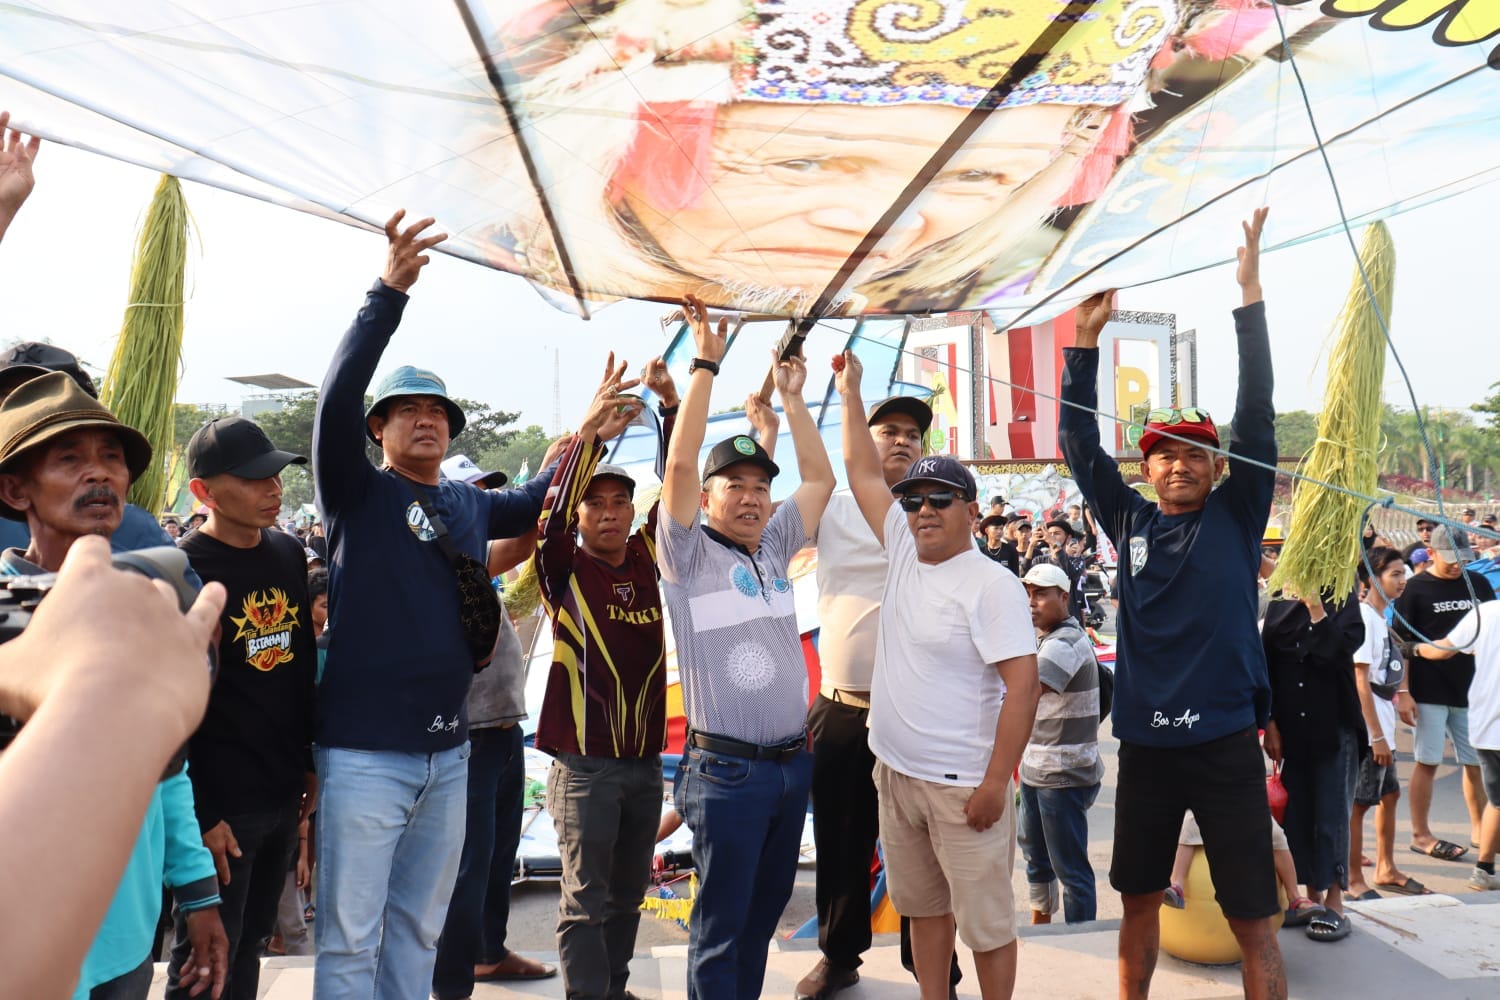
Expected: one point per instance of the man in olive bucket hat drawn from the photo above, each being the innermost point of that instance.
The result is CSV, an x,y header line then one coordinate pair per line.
x,y
65,465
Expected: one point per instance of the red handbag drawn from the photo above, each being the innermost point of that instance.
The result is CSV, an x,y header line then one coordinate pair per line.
x,y
1276,795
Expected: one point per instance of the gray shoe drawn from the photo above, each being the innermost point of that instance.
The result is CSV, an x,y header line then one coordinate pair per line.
x,y
1483,880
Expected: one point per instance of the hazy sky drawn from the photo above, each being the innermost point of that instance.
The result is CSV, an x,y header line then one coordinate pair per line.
x,y
272,290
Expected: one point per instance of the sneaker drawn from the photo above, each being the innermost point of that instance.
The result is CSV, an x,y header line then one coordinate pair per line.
x,y
1483,880
825,980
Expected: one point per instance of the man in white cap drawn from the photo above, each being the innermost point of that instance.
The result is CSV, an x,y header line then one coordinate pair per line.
x,y
1061,768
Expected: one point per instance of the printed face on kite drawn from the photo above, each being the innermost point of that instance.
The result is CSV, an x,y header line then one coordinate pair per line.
x,y
794,189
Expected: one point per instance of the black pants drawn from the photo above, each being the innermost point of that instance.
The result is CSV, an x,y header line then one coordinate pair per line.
x,y
846,821
268,840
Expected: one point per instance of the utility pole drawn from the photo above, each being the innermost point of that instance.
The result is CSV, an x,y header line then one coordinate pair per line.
x,y
556,392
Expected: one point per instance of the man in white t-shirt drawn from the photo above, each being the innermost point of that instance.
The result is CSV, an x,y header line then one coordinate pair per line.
x,y
952,702
851,579
1479,631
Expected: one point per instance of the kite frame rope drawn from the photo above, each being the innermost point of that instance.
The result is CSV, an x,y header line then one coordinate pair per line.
x,y
1385,330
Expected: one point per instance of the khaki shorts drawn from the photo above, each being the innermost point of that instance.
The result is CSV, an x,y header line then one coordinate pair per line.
x,y
936,864
1192,837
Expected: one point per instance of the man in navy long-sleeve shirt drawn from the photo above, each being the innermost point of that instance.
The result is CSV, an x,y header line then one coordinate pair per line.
x,y
1190,675
392,742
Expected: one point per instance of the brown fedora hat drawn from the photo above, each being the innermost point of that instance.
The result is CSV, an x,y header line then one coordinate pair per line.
x,y
50,406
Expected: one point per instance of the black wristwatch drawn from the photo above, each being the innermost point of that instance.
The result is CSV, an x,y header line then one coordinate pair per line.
x,y
667,411
711,366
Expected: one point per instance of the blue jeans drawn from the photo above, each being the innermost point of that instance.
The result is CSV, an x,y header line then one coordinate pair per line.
x,y
390,832
1054,837
474,931
747,818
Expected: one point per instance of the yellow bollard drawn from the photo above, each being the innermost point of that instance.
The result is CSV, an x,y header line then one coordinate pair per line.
x,y
1199,932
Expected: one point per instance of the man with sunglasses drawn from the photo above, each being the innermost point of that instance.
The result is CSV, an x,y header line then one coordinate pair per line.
x,y
952,702
1191,686
1423,542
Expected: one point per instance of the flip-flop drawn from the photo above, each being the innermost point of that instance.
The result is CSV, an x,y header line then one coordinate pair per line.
x,y
1409,887
1366,896
1443,850
1329,927
1301,910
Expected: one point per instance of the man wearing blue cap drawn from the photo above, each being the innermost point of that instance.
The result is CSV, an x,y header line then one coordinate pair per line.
x,y
391,740
955,630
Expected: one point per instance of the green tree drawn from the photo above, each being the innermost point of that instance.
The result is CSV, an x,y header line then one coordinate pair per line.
x,y
524,446
1296,432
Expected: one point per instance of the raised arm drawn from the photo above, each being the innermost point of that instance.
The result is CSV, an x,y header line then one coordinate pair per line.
x,y
1096,473
1253,430
681,486
17,154
813,466
659,380
764,421
339,465
861,460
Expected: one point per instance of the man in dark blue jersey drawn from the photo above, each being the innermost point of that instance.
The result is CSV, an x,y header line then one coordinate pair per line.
x,y
1191,687
392,740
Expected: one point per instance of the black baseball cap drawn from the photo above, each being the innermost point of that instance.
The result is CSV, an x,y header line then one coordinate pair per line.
x,y
740,448
909,405
1064,524
939,469
238,447
31,358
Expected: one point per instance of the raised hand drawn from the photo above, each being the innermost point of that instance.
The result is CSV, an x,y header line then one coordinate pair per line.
x,y
17,154
1248,272
709,344
407,253
656,378
763,419
1091,316
608,413
790,374
848,373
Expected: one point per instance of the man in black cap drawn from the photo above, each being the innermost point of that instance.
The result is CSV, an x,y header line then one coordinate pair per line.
x,y
66,463
1424,540
251,758
742,787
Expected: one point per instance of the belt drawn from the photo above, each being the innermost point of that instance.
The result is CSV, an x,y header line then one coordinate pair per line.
x,y
780,752
854,699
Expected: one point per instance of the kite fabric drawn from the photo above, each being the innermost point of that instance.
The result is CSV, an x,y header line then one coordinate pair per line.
x,y
788,157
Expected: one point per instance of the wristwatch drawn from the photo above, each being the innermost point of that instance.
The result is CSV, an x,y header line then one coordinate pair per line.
x,y
711,366
667,411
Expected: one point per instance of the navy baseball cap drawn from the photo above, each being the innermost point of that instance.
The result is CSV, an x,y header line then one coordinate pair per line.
x,y
939,469
409,381
740,448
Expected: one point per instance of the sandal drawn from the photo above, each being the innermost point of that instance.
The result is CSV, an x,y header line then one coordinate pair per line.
x,y
1301,911
1173,896
1443,850
1408,887
1367,896
1329,926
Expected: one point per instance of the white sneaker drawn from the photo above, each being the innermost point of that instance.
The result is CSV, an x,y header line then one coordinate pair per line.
x,y
1483,880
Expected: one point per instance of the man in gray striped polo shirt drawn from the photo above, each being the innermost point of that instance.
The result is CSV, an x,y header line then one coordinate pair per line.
x,y
1060,769
742,786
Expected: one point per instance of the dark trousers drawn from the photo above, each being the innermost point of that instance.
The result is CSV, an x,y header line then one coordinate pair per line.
x,y
474,931
1054,836
268,841
846,822
606,811
133,985
747,818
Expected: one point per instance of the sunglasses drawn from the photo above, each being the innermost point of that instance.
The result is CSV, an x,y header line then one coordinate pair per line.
x,y
1172,416
939,499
